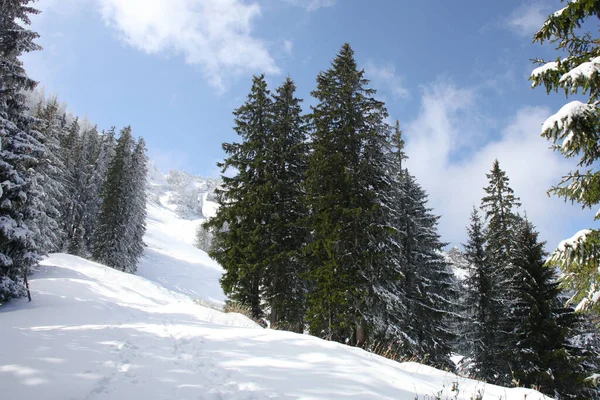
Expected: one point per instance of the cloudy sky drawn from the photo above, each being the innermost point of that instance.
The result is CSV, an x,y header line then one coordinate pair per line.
x,y
454,74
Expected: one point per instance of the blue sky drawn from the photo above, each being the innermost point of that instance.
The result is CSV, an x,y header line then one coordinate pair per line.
x,y
454,74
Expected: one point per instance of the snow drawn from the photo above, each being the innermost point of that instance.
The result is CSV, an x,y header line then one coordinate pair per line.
x,y
585,70
172,260
573,241
562,10
563,120
92,332
209,208
550,66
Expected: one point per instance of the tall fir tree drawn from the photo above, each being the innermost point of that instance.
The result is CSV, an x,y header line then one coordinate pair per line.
x,y
19,149
500,206
388,306
346,185
72,156
99,164
543,357
135,205
239,227
428,281
284,282
109,243
483,306
49,178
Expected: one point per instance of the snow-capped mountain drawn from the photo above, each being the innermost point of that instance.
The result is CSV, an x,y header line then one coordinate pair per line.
x,y
191,197
457,261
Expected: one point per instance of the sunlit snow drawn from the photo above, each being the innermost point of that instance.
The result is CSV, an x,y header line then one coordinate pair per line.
x,y
92,332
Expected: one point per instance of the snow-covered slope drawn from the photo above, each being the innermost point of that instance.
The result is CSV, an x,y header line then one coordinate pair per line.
x,y
172,260
92,332
95,333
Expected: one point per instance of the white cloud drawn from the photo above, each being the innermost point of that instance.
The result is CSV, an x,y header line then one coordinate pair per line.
x,y
288,47
528,18
312,5
455,178
215,34
166,159
386,79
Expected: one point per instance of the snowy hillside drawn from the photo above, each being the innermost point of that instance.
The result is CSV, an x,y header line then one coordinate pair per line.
x,y
96,333
92,332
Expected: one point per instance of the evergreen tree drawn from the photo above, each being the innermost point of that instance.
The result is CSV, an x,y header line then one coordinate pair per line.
x,y
284,286
135,207
543,357
239,227
109,244
49,179
98,164
19,150
72,156
483,305
88,192
575,132
428,281
346,188
387,308
500,205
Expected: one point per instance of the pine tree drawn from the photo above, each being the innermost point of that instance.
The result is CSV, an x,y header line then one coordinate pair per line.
x,y
99,163
239,227
500,205
387,308
19,149
135,207
428,281
72,157
575,131
88,189
346,187
284,284
49,178
110,244
484,307
543,357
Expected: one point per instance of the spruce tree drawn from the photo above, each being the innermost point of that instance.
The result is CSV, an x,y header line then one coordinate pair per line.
x,y
543,357
483,304
19,150
387,307
575,132
49,177
79,185
428,282
500,206
88,192
135,205
346,188
239,227
72,156
109,244
284,284
99,164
